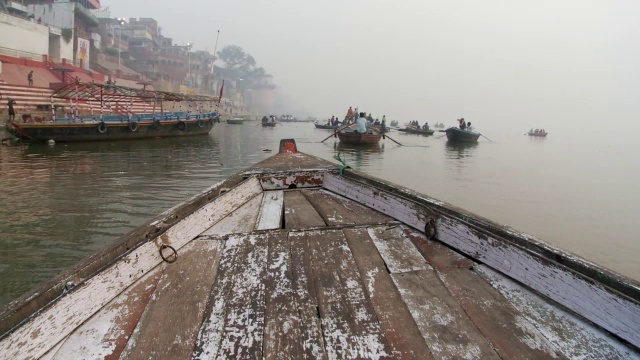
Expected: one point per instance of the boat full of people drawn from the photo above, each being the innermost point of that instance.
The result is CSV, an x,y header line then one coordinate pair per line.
x,y
414,128
538,132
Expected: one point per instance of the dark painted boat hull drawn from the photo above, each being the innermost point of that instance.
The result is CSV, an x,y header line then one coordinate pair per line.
x,y
327,127
538,135
269,124
458,135
94,131
414,131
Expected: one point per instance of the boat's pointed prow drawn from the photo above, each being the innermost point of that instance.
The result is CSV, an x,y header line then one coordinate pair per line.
x,y
288,146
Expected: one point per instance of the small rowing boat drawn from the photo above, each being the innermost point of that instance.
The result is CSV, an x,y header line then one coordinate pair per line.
x,y
349,136
455,134
327,127
236,121
413,130
297,257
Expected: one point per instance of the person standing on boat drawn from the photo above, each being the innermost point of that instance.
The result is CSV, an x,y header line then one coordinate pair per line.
x,y
463,125
350,113
361,124
12,111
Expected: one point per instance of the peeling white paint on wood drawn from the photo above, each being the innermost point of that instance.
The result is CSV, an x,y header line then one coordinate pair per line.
x,y
36,337
270,216
101,335
54,350
209,339
243,331
397,251
568,334
398,208
592,301
349,323
241,220
300,180
444,325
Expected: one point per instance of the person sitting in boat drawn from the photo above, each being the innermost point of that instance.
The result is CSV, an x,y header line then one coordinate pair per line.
x,y
425,126
469,128
463,125
361,124
265,119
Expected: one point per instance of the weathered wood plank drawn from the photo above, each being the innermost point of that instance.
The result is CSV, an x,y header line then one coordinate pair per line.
x,y
337,210
398,326
207,345
243,332
53,351
299,213
36,337
299,180
568,334
616,314
512,336
170,323
394,206
270,216
106,333
586,297
449,333
349,323
242,220
397,250
303,282
282,331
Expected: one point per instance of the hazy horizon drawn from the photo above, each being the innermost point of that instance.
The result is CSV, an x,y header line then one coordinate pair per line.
x,y
497,63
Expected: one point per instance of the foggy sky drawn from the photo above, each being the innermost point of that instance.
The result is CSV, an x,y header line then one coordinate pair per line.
x,y
495,62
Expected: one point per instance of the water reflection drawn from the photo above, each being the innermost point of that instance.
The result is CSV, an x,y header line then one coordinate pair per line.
x,y
459,151
358,156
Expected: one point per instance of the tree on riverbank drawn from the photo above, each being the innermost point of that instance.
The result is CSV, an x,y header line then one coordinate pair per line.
x,y
240,67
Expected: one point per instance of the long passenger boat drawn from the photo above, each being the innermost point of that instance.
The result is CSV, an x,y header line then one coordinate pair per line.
x,y
413,130
113,117
298,258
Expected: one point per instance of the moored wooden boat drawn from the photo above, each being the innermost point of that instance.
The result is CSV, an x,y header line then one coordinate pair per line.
x,y
236,121
455,134
412,130
294,259
348,136
157,123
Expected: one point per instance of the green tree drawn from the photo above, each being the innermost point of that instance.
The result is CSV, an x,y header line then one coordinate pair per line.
x,y
240,67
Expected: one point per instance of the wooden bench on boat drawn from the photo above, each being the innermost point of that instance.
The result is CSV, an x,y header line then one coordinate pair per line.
x,y
290,259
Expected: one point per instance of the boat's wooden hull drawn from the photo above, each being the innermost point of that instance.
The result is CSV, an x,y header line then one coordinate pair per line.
x,y
269,124
95,131
359,139
416,131
538,135
458,135
293,258
235,121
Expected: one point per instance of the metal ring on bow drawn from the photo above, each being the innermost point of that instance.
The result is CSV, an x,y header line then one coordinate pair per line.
x,y
167,259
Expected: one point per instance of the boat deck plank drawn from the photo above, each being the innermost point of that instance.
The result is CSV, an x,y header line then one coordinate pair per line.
x,y
337,210
299,213
487,308
305,296
207,345
570,335
243,332
397,250
271,209
121,316
448,331
349,324
398,326
170,323
283,337
242,220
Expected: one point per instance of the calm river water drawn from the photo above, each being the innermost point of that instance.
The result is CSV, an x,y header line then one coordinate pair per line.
x,y
60,203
